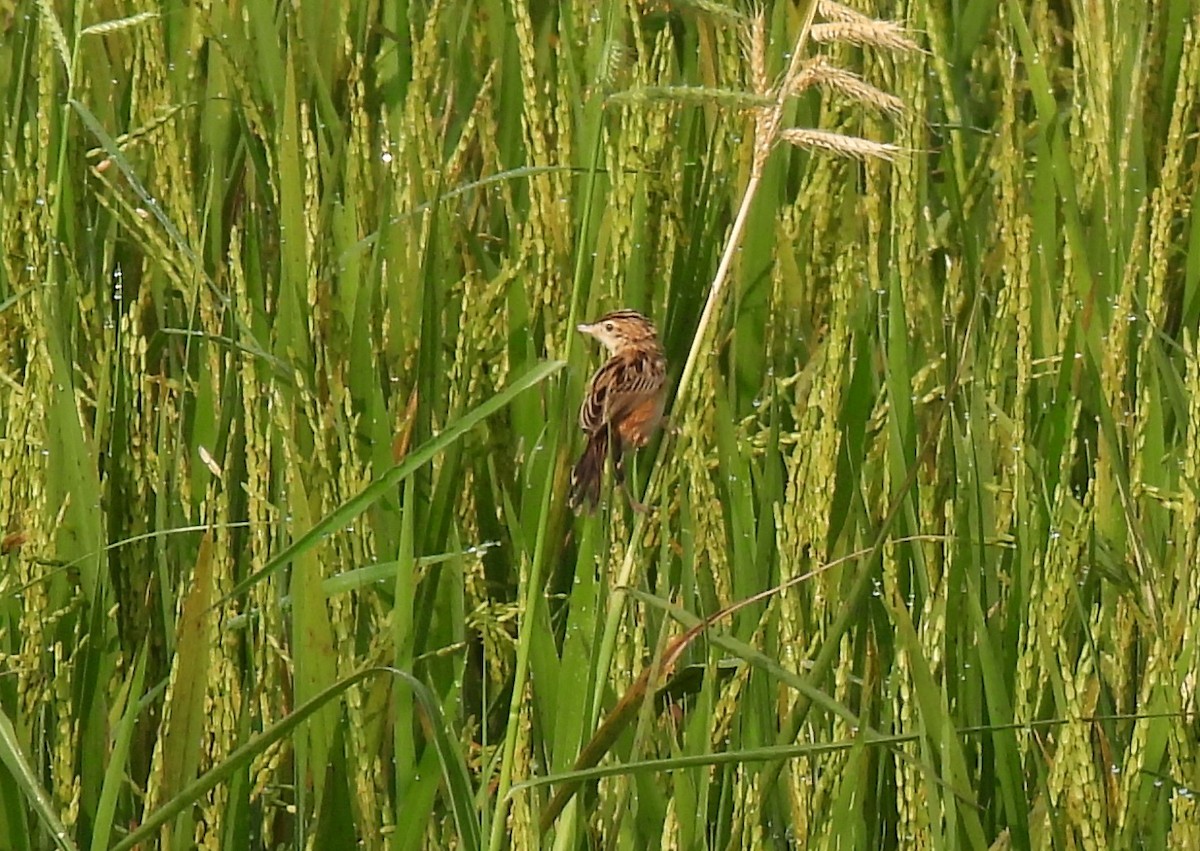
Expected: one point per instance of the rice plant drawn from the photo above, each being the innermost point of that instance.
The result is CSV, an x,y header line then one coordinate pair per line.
x,y
288,394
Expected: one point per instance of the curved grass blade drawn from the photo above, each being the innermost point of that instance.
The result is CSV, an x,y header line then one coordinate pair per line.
x,y
22,772
523,172
114,774
454,767
626,709
454,770
182,741
14,298
181,244
658,673
375,491
764,753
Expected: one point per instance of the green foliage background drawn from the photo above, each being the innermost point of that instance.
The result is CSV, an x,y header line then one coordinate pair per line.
x,y
288,384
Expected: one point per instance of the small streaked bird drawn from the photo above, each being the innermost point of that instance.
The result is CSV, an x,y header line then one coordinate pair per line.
x,y
624,402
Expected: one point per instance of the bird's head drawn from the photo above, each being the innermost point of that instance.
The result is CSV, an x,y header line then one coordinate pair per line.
x,y
621,328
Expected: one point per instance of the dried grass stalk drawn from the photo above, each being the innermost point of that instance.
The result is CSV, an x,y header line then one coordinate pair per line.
x,y
757,50
120,24
869,33
766,119
832,11
853,147
821,72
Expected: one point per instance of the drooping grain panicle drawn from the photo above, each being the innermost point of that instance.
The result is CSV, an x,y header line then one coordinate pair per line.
x,y
49,19
119,24
124,140
615,59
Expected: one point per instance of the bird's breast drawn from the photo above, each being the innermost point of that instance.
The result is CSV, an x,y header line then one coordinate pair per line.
x,y
642,420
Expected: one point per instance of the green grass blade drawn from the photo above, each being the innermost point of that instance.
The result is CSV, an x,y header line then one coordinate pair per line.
x,y
454,773
114,774
186,720
314,658
13,758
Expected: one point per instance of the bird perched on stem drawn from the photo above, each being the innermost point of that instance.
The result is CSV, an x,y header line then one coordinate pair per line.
x,y
624,402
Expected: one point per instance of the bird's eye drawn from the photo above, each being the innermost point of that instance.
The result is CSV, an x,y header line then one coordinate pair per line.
x,y
608,326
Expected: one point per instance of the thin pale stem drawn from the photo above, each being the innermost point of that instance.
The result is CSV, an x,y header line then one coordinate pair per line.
x,y
699,346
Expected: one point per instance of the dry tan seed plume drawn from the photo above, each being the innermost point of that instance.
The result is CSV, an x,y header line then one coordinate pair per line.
x,y
854,147
824,74
868,33
832,11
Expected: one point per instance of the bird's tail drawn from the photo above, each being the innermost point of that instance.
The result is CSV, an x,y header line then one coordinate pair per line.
x,y
585,478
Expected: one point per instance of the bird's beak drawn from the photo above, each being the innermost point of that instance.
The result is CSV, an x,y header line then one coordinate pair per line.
x,y
583,328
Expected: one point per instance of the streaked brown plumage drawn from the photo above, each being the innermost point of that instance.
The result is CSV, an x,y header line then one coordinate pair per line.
x,y
624,402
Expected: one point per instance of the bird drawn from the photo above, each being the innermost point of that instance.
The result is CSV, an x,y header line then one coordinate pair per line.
x,y
623,406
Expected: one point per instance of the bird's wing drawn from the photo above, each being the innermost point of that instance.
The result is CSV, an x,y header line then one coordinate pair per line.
x,y
623,383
